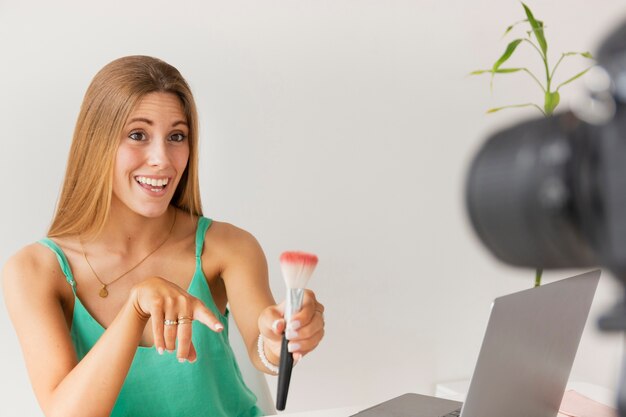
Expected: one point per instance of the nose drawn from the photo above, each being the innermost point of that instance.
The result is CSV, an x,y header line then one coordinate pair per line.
x,y
157,153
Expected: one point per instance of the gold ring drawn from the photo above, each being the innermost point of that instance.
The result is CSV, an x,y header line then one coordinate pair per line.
x,y
185,320
170,322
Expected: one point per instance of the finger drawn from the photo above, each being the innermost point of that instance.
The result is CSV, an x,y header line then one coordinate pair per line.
x,y
185,318
157,318
278,322
310,312
206,317
278,327
193,355
304,346
170,326
309,329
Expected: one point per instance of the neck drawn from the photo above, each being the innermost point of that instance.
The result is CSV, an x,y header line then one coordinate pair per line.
x,y
128,231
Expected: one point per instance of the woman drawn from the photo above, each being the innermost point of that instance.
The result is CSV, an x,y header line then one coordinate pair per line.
x,y
122,309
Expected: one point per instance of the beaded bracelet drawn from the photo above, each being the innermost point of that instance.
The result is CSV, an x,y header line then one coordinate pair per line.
x,y
261,350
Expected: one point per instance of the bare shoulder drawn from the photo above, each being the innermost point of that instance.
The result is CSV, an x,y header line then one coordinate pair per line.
x,y
230,234
233,243
32,270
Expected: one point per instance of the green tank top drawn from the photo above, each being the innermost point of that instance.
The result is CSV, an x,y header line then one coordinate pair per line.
x,y
158,385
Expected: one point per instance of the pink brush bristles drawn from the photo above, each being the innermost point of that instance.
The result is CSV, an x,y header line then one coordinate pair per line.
x,y
297,268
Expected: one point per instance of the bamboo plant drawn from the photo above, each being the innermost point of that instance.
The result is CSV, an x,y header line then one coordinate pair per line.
x,y
536,39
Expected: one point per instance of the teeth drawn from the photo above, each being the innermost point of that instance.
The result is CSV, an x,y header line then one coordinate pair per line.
x,y
152,181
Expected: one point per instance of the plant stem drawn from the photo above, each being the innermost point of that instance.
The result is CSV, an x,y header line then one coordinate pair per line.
x,y
548,78
548,82
538,274
535,46
535,78
557,64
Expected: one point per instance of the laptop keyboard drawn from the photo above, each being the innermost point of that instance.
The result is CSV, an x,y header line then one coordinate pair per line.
x,y
455,413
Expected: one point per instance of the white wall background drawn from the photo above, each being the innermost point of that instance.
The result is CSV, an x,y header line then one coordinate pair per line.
x,y
341,127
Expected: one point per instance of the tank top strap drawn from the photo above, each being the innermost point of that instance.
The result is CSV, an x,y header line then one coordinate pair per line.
x,y
203,225
63,263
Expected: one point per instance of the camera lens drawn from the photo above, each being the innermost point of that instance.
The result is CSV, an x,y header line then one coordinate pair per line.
x,y
523,196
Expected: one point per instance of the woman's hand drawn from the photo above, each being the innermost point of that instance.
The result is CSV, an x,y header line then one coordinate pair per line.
x,y
304,332
171,310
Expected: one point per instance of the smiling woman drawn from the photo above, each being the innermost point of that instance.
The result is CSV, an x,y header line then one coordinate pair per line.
x,y
131,269
118,97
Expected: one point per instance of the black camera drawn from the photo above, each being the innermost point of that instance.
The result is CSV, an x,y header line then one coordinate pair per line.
x,y
551,193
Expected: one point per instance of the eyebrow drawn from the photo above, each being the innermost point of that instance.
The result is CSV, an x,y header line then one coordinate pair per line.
x,y
150,122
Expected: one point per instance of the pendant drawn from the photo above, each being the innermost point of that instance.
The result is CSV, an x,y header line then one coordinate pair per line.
x,y
104,292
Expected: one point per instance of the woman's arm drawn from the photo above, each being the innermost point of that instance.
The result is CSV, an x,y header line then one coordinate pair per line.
x,y
64,386
245,275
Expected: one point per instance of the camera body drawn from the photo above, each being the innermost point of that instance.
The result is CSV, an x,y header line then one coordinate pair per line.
x,y
551,193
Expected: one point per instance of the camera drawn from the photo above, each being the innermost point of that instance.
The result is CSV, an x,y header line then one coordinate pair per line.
x,y
551,193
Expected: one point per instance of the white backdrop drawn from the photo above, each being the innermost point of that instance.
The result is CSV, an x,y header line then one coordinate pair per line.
x,y
341,127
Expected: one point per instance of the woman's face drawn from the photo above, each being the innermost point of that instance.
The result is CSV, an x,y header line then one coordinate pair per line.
x,y
152,155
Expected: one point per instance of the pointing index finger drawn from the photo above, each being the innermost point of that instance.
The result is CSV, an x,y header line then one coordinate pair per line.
x,y
206,317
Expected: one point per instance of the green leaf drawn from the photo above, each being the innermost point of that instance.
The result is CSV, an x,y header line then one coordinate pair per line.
x,y
478,72
516,106
512,26
508,70
551,101
537,30
583,54
580,74
498,71
507,54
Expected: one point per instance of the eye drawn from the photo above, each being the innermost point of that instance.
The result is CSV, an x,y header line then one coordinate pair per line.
x,y
137,135
178,137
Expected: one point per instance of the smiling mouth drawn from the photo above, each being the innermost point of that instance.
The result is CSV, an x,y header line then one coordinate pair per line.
x,y
153,184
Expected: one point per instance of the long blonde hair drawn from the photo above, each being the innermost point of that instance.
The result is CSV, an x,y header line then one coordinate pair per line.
x,y
85,200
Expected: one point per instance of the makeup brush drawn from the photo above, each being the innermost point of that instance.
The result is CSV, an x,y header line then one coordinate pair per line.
x,y
297,268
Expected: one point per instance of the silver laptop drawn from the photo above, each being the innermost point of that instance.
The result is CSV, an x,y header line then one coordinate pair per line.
x,y
525,359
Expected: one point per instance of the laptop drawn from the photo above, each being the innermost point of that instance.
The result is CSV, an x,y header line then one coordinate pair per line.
x,y
525,359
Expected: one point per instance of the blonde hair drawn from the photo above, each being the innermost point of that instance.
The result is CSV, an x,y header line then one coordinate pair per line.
x,y
85,200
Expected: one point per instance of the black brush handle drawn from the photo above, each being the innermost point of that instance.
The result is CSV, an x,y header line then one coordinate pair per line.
x,y
284,375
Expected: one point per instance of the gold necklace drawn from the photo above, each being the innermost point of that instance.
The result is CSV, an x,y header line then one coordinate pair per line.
x,y
103,291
